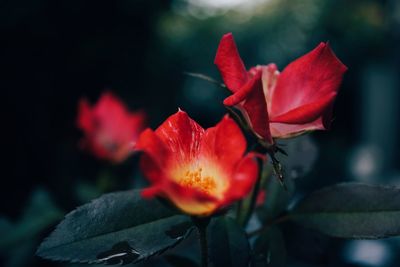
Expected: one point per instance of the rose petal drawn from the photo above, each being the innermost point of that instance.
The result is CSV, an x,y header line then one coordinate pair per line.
x,y
113,118
244,177
250,100
151,191
283,130
190,200
230,64
224,142
182,136
307,80
84,120
244,91
110,129
308,112
155,158
256,109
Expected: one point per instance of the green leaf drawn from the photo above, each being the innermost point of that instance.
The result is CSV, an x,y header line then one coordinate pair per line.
x,y
351,210
228,244
116,228
39,214
269,249
177,260
188,249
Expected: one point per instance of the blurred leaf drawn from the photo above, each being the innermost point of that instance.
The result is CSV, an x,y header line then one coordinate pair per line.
x,y
228,244
116,228
351,210
302,154
39,203
276,198
247,205
22,255
85,192
269,249
5,226
106,181
188,249
39,214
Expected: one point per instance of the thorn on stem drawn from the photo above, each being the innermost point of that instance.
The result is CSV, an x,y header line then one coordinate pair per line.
x,y
278,169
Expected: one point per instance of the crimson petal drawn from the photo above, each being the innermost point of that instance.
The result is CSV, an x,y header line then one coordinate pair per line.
x,y
306,113
181,135
230,64
155,155
244,177
225,142
306,80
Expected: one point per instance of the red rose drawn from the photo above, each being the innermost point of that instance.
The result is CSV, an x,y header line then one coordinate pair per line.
x,y
110,129
282,105
199,171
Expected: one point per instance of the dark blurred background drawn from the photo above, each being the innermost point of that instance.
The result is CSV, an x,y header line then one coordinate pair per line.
x,y
54,52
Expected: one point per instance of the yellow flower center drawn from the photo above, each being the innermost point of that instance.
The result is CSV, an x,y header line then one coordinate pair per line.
x,y
194,179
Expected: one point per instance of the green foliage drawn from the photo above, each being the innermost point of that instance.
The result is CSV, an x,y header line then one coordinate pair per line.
x,y
276,198
228,243
269,249
116,228
39,214
176,260
351,210
19,239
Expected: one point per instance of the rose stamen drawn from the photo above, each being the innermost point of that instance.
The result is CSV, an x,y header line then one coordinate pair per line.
x,y
194,179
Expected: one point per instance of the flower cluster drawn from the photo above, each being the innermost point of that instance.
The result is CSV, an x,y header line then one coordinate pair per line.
x,y
202,171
